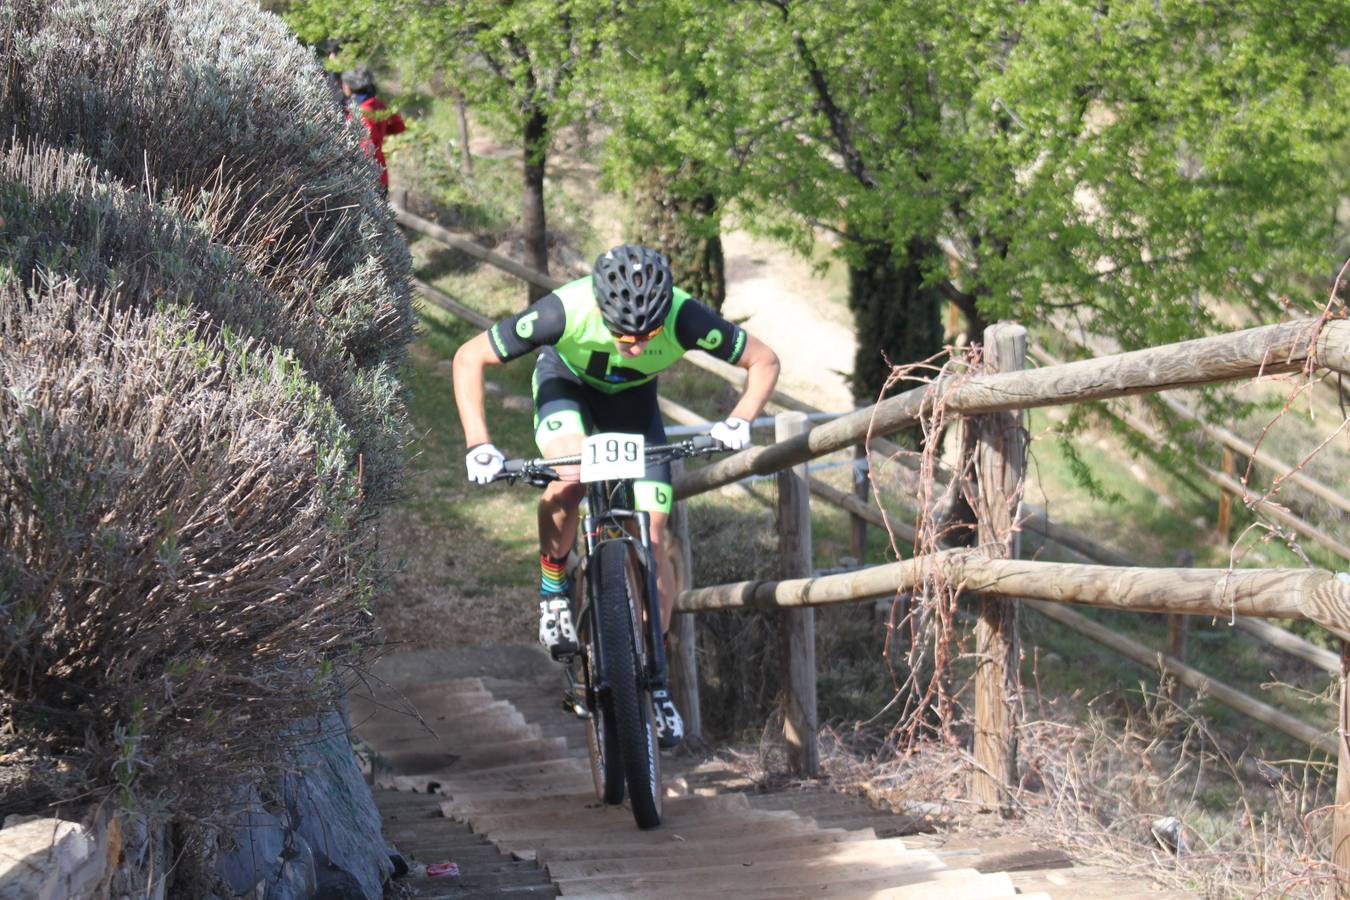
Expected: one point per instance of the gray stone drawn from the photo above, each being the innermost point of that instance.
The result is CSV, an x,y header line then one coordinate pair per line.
x,y
251,853
331,809
50,859
298,880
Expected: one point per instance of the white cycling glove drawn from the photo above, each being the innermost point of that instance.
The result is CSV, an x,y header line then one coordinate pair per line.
x,y
483,462
733,433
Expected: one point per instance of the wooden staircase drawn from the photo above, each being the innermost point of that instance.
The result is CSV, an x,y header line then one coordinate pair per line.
x,y
494,777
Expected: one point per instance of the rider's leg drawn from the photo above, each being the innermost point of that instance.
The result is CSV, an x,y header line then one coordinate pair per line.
x,y
665,568
558,504
557,529
559,428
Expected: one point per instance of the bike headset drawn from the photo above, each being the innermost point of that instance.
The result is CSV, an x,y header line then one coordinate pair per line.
x,y
634,289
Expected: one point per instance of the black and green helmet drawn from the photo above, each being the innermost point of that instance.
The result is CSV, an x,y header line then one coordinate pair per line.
x,y
633,286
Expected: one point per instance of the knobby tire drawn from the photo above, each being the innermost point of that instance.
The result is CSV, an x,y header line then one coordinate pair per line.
x,y
634,725
602,735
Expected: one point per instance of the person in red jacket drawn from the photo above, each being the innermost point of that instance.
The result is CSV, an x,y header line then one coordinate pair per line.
x,y
380,120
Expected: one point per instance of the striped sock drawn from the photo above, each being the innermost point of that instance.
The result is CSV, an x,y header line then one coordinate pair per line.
x,y
552,574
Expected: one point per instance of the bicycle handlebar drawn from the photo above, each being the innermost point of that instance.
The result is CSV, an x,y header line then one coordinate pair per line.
x,y
539,472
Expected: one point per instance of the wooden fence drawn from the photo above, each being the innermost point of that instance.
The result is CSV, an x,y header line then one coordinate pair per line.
x,y
992,573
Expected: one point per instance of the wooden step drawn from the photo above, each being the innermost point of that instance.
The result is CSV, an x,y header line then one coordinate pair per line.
x,y
1001,853
504,803
507,771
917,866
976,886
393,722
445,889
436,695
679,847
749,883
564,808
847,852
488,732
548,844
1090,883
618,825
811,868
481,756
575,784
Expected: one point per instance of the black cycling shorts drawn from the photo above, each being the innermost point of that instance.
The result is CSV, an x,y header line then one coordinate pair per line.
x,y
564,404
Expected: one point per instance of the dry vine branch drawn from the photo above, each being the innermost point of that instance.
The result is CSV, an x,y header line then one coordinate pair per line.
x,y
927,617
1332,308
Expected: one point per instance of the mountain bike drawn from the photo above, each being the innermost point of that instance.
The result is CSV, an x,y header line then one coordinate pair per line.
x,y
620,656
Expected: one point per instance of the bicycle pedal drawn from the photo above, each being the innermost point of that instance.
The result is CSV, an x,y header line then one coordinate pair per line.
x,y
563,651
574,706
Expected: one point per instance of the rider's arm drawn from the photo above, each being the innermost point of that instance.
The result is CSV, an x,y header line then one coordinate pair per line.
x,y
541,323
699,327
473,356
761,374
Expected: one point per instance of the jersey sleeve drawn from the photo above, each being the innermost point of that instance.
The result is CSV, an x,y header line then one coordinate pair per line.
x,y
698,327
540,324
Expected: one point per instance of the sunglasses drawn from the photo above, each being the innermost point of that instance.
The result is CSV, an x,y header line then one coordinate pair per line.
x,y
637,338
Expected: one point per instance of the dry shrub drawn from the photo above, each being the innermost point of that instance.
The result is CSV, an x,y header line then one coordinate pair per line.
x,y
60,216
1101,780
179,569
204,306
214,111
739,658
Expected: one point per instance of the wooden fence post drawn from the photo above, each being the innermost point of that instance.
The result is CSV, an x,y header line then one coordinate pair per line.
x,y
683,662
857,544
1340,818
1001,467
798,625
1178,629
1224,525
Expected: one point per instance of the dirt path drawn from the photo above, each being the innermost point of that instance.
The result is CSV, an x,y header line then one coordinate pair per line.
x,y
802,315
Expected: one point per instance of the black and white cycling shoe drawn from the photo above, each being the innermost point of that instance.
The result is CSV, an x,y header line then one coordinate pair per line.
x,y
556,631
669,725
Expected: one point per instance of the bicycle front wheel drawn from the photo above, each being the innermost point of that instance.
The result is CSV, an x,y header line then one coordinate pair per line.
x,y
619,595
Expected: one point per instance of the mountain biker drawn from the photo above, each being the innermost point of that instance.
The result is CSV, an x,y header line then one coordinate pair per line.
x,y
602,340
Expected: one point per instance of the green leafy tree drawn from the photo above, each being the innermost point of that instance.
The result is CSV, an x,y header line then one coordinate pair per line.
x,y
517,63
685,223
654,90
1121,164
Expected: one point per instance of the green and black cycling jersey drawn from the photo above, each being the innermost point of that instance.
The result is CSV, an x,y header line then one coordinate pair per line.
x,y
569,321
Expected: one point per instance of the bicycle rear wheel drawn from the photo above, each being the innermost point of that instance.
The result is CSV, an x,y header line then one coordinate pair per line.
x,y
602,735
621,634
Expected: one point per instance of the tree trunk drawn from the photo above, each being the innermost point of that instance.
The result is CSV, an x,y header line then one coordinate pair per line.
x,y
896,316
686,228
462,117
532,198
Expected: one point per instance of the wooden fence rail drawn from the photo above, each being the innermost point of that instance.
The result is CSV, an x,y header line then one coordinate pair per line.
x,y
1279,469
1191,678
1272,349
1261,593
1229,484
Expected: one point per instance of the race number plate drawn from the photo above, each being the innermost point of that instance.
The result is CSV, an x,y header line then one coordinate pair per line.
x,y
612,455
